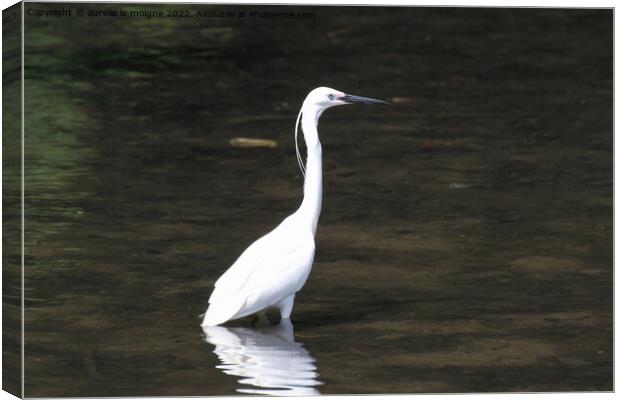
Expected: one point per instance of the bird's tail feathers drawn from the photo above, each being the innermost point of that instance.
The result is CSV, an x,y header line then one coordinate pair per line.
x,y
221,309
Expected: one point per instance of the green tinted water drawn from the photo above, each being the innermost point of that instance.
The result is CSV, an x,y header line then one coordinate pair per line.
x,y
466,237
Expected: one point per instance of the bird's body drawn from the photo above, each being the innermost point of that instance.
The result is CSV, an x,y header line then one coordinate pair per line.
x,y
268,273
276,266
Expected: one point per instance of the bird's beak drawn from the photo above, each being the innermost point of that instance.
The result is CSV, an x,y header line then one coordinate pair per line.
x,y
349,98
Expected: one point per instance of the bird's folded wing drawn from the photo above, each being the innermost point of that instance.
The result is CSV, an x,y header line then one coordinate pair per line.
x,y
270,267
238,273
285,275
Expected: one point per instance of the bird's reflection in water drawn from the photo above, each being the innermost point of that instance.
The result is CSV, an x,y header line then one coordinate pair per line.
x,y
267,358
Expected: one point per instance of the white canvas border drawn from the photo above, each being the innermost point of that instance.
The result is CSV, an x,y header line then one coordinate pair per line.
x,y
463,3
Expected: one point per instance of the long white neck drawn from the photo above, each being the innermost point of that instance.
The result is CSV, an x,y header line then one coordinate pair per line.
x,y
310,209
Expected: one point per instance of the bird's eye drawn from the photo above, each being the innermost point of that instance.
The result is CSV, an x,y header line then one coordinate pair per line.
x,y
331,96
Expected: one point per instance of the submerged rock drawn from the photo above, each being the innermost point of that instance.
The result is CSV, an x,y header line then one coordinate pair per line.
x,y
458,185
251,142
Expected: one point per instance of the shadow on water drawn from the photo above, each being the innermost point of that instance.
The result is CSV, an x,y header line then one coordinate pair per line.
x,y
268,359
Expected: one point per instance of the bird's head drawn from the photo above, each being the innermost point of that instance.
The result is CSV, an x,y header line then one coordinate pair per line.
x,y
317,101
324,98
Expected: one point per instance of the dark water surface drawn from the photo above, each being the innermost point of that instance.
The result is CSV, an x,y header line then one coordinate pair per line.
x,y
466,237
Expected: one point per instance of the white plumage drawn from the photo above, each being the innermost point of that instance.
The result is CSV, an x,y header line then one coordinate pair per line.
x,y
268,273
276,266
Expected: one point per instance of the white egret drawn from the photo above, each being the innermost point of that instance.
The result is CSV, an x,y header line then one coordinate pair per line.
x,y
276,266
